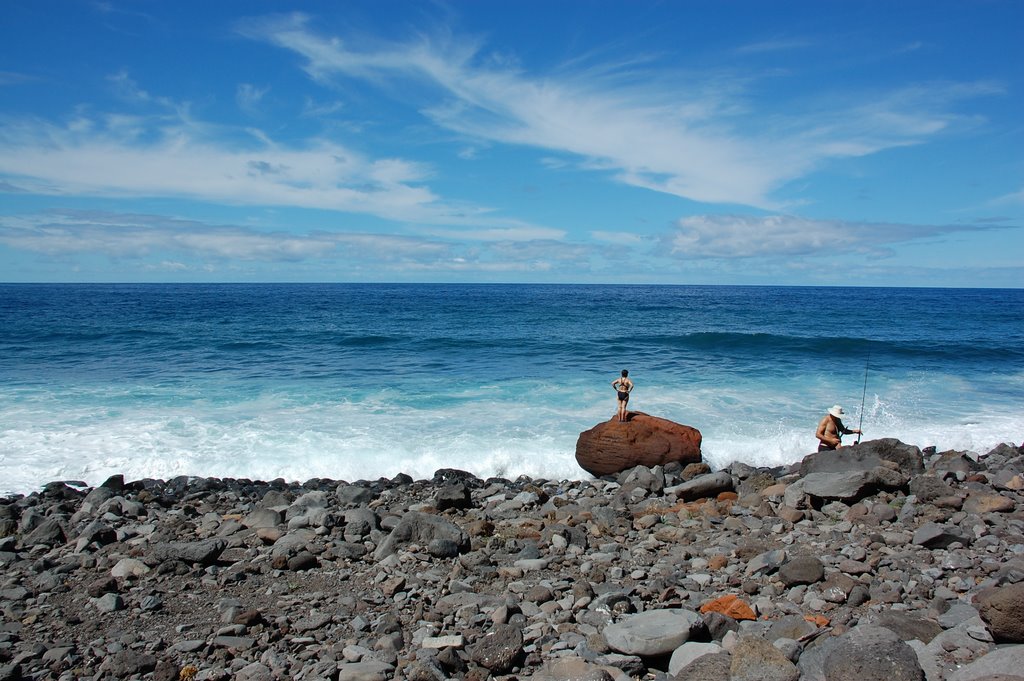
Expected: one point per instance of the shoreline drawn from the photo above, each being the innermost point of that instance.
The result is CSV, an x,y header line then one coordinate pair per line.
x,y
797,568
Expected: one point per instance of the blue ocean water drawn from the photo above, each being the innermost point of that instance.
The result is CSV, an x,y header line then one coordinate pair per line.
x,y
352,381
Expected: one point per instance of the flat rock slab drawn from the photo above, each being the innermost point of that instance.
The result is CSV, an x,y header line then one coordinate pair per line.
x,y
655,632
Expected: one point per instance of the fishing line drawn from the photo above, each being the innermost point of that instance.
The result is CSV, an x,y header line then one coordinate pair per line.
x,y
863,395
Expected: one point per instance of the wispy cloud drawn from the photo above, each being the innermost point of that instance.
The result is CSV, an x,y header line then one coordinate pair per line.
x,y
699,139
156,241
775,45
14,78
172,155
738,236
249,97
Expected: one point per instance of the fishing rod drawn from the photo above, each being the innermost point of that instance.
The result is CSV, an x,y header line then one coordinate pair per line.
x,y
864,394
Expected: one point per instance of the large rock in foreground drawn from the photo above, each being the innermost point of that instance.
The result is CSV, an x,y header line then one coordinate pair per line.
x,y
642,440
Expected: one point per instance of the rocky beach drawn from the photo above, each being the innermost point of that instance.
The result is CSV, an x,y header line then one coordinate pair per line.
x,y
877,561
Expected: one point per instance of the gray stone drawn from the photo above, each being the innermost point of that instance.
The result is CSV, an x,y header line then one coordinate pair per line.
x,y
499,650
48,533
802,570
702,486
306,503
109,603
360,522
928,488
255,671
234,642
869,653
129,567
812,661
908,627
766,563
421,528
365,670
203,552
958,613
755,659
262,517
455,496
853,485
353,495
935,536
651,633
688,652
128,663
707,668
790,626
865,456
1007,662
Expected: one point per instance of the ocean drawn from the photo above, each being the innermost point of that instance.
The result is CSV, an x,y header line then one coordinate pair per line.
x,y
361,381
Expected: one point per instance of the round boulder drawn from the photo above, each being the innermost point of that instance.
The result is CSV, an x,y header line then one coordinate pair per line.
x,y
642,440
1003,609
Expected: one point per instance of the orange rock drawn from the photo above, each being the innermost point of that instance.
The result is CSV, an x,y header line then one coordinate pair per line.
x,y
731,606
817,620
643,440
727,496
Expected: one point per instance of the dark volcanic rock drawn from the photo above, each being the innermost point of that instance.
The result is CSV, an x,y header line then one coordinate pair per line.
x,y
865,456
643,440
422,528
802,570
203,552
872,654
499,650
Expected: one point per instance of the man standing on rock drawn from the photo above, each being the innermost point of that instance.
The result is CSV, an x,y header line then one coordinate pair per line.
x,y
623,386
831,429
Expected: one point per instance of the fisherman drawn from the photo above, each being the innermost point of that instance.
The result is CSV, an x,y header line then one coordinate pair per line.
x,y
623,387
831,429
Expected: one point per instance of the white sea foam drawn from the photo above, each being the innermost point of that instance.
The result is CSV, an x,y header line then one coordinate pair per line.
x,y
506,431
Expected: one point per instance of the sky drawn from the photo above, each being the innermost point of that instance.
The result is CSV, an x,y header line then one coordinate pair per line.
x,y
840,142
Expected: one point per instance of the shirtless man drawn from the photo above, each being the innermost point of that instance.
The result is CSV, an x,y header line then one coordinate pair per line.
x,y
623,387
831,429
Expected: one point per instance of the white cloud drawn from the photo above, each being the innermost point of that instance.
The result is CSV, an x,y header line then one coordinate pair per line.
x,y
171,244
696,137
738,236
620,238
126,156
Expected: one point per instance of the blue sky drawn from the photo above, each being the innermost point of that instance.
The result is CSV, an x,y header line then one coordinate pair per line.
x,y
817,143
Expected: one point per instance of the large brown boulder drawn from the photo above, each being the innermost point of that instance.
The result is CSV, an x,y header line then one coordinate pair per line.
x,y
641,440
